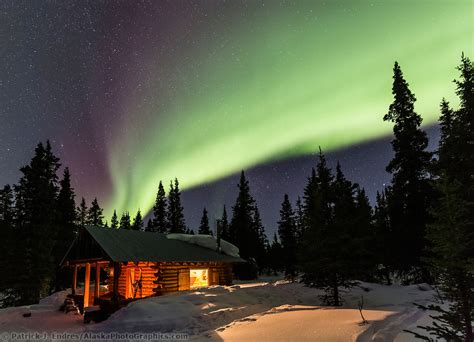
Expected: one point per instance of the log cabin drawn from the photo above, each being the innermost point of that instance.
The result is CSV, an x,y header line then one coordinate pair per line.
x,y
136,264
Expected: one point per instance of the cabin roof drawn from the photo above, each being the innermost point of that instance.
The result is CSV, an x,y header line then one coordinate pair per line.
x,y
123,245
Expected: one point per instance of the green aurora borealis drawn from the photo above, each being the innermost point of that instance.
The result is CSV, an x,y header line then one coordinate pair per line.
x,y
274,81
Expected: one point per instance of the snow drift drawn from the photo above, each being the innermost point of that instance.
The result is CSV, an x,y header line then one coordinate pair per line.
x,y
207,241
250,311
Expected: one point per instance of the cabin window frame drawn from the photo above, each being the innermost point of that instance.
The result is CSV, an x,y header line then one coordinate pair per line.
x,y
208,273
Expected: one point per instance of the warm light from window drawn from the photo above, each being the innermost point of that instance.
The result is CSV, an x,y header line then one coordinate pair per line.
x,y
198,278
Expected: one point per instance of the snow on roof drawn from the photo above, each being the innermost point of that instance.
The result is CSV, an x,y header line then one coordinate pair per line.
x,y
123,245
207,241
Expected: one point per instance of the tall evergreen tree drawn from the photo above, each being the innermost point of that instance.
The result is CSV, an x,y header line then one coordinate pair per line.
x,y
446,121
410,190
95,215
326,246
67,229
246,232
82,213
342,265
6,206
275,253
299,219
36,220
67,209
204,225
382,236
138,221
160,223
309,204
150,226
224,225
317,208
364,237
114,223
7,252
451,235
242,232
125,222
175,210
287,233
261,242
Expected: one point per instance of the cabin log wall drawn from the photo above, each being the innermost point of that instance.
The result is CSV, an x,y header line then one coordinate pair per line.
x,y
148,270
162,278
167,275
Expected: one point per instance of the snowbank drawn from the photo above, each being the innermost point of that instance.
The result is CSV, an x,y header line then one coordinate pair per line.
x,y
274,311
249,311
45,316
207,241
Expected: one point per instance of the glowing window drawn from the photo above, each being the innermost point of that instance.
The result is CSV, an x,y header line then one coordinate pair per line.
x,y
198,278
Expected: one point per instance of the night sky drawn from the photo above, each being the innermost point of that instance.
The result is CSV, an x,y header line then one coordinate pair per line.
x,y
133,92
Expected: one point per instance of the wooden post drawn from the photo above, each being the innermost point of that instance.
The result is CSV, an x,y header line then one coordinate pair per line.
x,y
97,281
127,283
86,285
74,280
116,280
132,281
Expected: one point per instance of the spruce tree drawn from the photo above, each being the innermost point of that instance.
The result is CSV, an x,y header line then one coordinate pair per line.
x,y
138,221
125,221
95,215
363,237
224,225
246,231
309,205
67,228
446,122
160,223
7,252
175,213
114,223
275,253
326,262
317,208
242,233
150,226
287,233
261,241
67,209
299,220
382,237
451,234
6,205
82,213
204,225
409,193
36,222
342,265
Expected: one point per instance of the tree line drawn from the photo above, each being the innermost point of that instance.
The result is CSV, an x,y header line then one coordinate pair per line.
x,y
420,229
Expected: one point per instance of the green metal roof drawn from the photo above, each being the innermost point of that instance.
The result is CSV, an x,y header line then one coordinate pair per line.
x,y
124,245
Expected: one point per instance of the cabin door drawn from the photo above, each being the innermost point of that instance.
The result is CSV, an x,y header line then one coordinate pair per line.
x,y
214,276
183,279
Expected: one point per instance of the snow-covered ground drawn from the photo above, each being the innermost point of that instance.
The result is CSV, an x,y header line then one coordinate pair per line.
x,y
252,311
